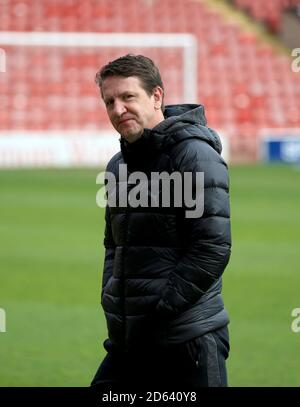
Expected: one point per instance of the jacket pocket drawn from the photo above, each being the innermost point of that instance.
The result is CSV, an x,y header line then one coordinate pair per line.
x,y
195,351
208,354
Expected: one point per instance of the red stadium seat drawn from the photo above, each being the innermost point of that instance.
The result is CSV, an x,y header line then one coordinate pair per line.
x,y
270,12
243,84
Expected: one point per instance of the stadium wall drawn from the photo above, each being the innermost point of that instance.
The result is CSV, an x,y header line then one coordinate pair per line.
x,y
61,149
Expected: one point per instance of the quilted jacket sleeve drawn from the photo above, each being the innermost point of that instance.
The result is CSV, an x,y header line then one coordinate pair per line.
x,y
109,243
109,250
208,237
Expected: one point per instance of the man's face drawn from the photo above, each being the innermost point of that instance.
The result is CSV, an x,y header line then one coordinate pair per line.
x,y
129,107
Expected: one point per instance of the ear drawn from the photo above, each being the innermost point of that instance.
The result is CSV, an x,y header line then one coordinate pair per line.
x,y
158,94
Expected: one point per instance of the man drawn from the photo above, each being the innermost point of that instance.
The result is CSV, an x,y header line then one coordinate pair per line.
x,y
161,290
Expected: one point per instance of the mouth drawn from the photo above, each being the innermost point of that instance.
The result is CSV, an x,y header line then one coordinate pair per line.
x,y
125,120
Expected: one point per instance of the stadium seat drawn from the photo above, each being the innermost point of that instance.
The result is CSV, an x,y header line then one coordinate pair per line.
x,y
244,84
270,13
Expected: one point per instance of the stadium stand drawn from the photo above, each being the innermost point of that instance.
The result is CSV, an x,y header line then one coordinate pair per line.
x,y
268,12
244,83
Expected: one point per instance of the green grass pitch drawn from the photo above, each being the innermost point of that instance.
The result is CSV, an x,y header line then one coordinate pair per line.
x,y
51,256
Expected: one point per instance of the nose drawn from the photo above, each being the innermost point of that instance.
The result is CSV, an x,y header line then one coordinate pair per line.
x,y
119,108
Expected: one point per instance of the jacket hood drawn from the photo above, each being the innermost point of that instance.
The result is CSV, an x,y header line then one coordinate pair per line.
x,y
185,121
187,113
191,116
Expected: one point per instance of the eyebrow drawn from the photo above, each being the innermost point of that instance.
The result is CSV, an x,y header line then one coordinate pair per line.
x,y
125,93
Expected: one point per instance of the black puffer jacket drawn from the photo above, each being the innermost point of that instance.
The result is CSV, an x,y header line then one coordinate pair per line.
x,y
162,271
